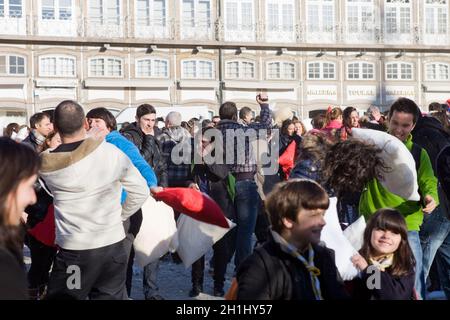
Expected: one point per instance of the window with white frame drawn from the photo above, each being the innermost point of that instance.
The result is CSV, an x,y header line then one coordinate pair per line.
x,y
280,70
197,69
399,71
105,67
57,66
152,68
436,16
56,10
151,12
247,70
11,8
204,69
240,70
437,72
104,11
196,13
321,70
280,15
398,16
239,15
360,71
360,15
12,65
320,15
232,70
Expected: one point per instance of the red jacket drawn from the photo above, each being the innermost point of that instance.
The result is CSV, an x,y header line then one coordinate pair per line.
x,y
45,230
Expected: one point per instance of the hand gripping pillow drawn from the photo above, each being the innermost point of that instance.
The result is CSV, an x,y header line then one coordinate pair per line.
x,y
401,179
155,235
195,204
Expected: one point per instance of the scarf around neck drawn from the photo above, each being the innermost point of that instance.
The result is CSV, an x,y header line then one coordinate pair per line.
x,y
314,272
383,262
40,139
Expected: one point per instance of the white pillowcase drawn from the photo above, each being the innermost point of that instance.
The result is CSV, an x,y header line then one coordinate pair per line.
x,y
194,238
401,179
155,235
334,238
355,233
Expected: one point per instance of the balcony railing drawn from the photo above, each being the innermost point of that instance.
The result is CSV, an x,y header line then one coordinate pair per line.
x,y
102,27
364,34
195,29
52,26
284,34
13,24
151,29
209,30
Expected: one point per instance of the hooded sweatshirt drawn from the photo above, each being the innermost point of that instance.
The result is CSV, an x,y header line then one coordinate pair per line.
x,y
86,184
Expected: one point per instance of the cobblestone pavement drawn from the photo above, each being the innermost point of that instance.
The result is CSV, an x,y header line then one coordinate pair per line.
x,y
174,281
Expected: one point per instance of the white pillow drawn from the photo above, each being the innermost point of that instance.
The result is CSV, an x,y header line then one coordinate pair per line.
x,y
355,233
402,178
334,238
156,232
194,238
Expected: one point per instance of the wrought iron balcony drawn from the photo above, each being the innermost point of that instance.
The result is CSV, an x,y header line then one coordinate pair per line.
x,y
69,26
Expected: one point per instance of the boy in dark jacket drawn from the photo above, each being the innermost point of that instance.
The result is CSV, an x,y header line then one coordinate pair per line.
x,y
292,265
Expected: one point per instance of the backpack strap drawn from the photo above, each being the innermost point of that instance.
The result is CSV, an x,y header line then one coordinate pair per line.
x,y
416,151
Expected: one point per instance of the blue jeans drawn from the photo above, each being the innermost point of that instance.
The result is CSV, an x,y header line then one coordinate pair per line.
x,y
435,239
246,203
414,243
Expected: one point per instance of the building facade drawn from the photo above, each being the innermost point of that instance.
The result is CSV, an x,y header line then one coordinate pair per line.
x,y
307,54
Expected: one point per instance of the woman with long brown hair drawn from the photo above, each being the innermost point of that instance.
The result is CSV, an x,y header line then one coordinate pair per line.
x,y
19,165
350,120
386,255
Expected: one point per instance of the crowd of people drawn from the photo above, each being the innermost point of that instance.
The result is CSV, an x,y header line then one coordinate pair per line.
x,y
73,186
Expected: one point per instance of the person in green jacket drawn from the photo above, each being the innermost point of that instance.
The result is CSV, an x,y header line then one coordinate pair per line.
x,y
403,116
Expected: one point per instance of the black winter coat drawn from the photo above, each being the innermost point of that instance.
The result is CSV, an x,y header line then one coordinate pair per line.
x,y
271,274
13,282
150,150
38,211
31,141
430,135
443,175
391,287
217,175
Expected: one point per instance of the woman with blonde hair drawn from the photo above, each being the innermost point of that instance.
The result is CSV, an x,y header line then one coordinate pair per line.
x,y
300,128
